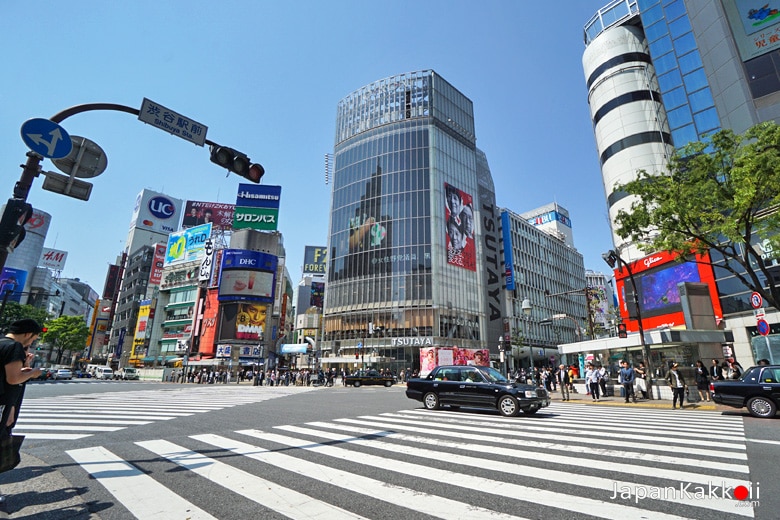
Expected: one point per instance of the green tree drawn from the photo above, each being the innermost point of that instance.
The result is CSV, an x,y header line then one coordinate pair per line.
x,y
14,311
721,196
66,333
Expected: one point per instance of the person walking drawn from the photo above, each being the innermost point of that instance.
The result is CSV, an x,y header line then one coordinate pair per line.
x,y
592,377
677,383
701,376
626,377
640,376
604,377
563,380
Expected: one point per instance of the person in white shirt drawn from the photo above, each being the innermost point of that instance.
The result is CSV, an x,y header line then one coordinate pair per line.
x,y
592,377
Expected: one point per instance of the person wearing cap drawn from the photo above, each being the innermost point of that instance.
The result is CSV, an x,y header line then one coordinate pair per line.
x,y
677,383
16,361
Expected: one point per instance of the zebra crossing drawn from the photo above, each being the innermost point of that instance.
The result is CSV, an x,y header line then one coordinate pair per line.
x,y
568,460
79,416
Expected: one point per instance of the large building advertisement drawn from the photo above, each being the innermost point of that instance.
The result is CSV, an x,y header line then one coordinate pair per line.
x,y
156,212
218,214
755,25
247,276
257,207
459,217
243,321
315,260
187,245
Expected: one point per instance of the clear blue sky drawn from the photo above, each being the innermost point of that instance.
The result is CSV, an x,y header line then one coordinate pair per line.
x,y
265,77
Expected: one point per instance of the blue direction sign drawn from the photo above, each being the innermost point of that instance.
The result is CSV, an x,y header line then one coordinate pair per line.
x,y
46,138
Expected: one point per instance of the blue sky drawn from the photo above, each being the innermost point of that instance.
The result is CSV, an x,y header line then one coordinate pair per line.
x,y
265,78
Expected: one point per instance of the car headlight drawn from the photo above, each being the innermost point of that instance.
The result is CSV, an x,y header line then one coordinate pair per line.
x,y
530,393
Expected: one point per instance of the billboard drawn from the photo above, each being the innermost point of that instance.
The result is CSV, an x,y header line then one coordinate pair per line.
x,y
145,313
156,212
314,260
53,259
431,357
755,25
317,294
208,327
257,207
111,286
197,212
158,262
243,321
12,283
459,228
656,277
187,245
247,275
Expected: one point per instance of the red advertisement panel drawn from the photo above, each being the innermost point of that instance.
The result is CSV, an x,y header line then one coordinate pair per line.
x,y
155,275
459,215
656,277
208,329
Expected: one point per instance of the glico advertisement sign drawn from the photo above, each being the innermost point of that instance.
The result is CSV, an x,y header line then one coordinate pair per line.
x,y
187,245
247,276
656,277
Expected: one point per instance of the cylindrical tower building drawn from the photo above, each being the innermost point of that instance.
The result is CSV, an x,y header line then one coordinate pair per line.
x,y
629,119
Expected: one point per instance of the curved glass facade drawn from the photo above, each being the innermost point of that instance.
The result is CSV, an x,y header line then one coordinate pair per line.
x,y
405,250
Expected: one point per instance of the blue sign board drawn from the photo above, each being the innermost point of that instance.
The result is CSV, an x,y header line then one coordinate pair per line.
x,y
509,262
258,196
763,327
247,276
46,138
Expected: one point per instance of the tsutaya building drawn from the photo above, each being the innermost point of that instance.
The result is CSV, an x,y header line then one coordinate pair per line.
x,y
414,252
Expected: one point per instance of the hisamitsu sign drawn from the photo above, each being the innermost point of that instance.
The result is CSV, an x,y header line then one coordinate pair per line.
x,y
172,122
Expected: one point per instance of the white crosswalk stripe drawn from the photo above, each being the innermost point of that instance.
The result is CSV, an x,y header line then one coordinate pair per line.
x,y
78,416
632,464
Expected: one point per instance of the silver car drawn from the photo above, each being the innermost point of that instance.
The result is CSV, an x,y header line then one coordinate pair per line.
x,y
63,373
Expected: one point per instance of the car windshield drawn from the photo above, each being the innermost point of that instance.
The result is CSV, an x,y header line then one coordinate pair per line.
x,y
751,376
493,375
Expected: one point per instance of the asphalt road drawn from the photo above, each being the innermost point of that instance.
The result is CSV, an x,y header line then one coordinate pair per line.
x,y
330,445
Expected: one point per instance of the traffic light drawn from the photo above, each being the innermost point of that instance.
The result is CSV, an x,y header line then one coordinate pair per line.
x,y
622,330
236,162
17,213
611,258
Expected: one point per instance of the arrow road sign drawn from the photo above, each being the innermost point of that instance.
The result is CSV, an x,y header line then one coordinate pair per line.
x,y
46,138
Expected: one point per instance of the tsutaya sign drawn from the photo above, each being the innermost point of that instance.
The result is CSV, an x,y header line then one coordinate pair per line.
x,y
417,341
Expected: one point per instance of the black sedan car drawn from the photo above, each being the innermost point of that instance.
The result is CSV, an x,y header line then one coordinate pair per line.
x,y
369,377
478,387
758,390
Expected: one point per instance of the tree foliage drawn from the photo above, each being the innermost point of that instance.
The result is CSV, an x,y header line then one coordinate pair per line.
x,y
66,333
720,195
14,311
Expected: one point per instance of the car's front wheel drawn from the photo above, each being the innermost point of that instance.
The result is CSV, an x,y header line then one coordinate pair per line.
x,y
761,407
508,406
356,384
388,384
431,401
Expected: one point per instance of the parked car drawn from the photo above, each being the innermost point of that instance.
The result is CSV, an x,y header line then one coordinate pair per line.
x,y
63,373
758,389
82,374
368,377
477,387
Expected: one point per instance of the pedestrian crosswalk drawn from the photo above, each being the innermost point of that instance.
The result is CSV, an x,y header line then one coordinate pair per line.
x,y
568,461
79,416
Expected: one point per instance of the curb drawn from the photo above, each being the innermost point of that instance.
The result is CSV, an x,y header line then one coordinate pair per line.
x,y
663,404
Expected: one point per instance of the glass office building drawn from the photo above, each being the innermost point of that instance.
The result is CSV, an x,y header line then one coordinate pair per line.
x,y
413,227
663,73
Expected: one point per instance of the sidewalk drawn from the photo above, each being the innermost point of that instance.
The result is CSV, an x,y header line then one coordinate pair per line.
x,y
619,401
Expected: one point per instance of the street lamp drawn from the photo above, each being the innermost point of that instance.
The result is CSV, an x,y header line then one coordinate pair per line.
x,y
612,258
586,292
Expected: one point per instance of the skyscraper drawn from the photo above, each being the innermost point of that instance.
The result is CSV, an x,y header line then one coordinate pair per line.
x,y
663,73
414,245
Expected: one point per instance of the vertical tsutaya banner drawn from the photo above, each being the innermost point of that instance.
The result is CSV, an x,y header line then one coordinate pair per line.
x,y
314,260
509,262
459,215
257,207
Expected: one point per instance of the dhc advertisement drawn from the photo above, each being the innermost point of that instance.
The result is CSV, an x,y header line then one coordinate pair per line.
x,y
247,276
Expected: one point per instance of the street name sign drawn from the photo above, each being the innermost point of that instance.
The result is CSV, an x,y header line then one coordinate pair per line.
x,y
172,122
46,138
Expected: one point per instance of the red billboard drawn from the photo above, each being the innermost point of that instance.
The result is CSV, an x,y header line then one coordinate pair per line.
x,y
155,274
459,217
656,277
219,214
